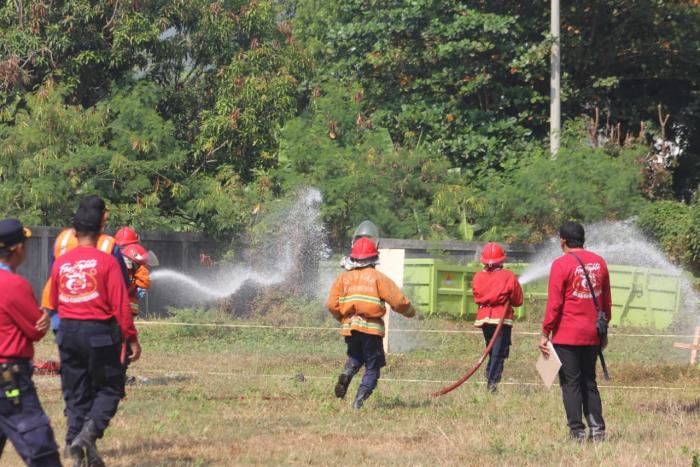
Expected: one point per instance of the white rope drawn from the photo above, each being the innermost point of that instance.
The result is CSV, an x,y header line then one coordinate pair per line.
x,y
322,328
397,380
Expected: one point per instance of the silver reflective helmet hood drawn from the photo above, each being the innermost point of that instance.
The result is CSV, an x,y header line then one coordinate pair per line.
x,y
367,229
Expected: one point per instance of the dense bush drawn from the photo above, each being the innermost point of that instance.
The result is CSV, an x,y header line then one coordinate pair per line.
x,y
585,184
676,227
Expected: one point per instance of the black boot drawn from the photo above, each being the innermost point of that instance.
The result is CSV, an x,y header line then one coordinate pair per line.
x,y
491,387
577,435
83,448
596,429
360,398
341,387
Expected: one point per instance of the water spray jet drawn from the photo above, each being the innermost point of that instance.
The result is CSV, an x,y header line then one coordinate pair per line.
x,y
295,238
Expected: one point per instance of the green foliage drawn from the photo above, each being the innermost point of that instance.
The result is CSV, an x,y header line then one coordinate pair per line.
x,y
429,117
360,173
121,149
676,227
257,94
529,202
82,44
437,72
470,79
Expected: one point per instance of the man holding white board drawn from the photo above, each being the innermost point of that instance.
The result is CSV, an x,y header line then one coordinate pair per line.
x,y
578,284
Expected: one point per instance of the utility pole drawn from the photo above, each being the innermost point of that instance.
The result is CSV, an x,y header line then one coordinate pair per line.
x,y
555,83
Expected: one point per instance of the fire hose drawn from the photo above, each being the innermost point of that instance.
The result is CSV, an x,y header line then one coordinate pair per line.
x,y
469,374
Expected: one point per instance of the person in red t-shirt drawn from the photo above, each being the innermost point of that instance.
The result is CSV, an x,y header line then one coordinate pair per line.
x,y
496,291
570,323
21,324
95,319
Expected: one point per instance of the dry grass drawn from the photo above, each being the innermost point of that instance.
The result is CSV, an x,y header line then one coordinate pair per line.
x,y
232,398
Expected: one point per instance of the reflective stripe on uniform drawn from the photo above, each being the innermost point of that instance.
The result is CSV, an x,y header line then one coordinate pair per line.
x,y
492,321
358,323
361,298
105,245
63,244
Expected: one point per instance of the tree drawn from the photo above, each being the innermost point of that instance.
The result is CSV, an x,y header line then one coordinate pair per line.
x,y
82,45
470,78
357,168
120,149
531,201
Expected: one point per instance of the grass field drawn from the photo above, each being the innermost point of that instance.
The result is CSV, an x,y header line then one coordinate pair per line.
x,y
230,396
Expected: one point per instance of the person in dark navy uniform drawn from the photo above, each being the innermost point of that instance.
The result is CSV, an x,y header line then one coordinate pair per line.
x,y
96,324
22,419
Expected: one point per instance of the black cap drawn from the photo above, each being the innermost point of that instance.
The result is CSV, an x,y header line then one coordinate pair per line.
x,y
12,232
573,233
92,202
87,219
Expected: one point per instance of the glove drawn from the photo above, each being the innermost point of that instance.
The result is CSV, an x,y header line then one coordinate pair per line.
x,y
140,293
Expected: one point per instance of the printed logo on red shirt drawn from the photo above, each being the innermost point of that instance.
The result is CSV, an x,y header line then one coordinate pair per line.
x,y
77,283
580,284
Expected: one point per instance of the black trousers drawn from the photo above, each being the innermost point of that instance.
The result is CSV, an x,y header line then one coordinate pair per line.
x,y
92,376
368,350
578,387
499,351
27,426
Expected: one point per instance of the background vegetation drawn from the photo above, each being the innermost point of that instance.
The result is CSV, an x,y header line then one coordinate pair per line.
x,y
428,116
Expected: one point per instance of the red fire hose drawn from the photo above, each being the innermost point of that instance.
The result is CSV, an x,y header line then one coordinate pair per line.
x,y
459,382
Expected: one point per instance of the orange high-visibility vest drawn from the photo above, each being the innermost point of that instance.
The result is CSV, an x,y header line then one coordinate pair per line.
x,y
65,242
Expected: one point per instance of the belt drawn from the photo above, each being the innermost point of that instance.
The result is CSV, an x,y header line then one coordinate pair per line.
x,y
109,321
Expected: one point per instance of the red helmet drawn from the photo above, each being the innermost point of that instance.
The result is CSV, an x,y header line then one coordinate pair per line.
x,y
126,236
493,253
364,248
136,253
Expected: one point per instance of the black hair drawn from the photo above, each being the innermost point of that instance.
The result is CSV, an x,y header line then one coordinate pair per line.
x,y
573,233
92,202
87,221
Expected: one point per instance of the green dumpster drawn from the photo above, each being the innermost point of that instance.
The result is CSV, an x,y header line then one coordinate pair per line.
x,y
642,297
437,287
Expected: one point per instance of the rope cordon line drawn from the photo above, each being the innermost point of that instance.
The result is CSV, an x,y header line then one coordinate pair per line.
x,y
322,328
390,379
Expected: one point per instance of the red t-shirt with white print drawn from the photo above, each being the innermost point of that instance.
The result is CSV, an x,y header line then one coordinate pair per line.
x,y
571,315
87,284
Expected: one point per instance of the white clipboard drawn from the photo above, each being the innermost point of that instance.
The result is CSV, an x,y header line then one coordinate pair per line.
x,y
548,368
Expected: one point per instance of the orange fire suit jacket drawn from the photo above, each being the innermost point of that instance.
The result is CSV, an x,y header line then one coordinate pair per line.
x,y
141,279
496,293
358,300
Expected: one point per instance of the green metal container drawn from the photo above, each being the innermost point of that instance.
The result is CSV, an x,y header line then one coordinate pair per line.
x,y
437,287
642,297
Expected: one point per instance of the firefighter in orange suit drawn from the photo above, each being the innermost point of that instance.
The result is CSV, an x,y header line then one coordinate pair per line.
x,y
496,292
66,241
136,258
357,300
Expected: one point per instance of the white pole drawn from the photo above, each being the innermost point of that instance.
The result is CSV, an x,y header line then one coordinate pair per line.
x,y
555,84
